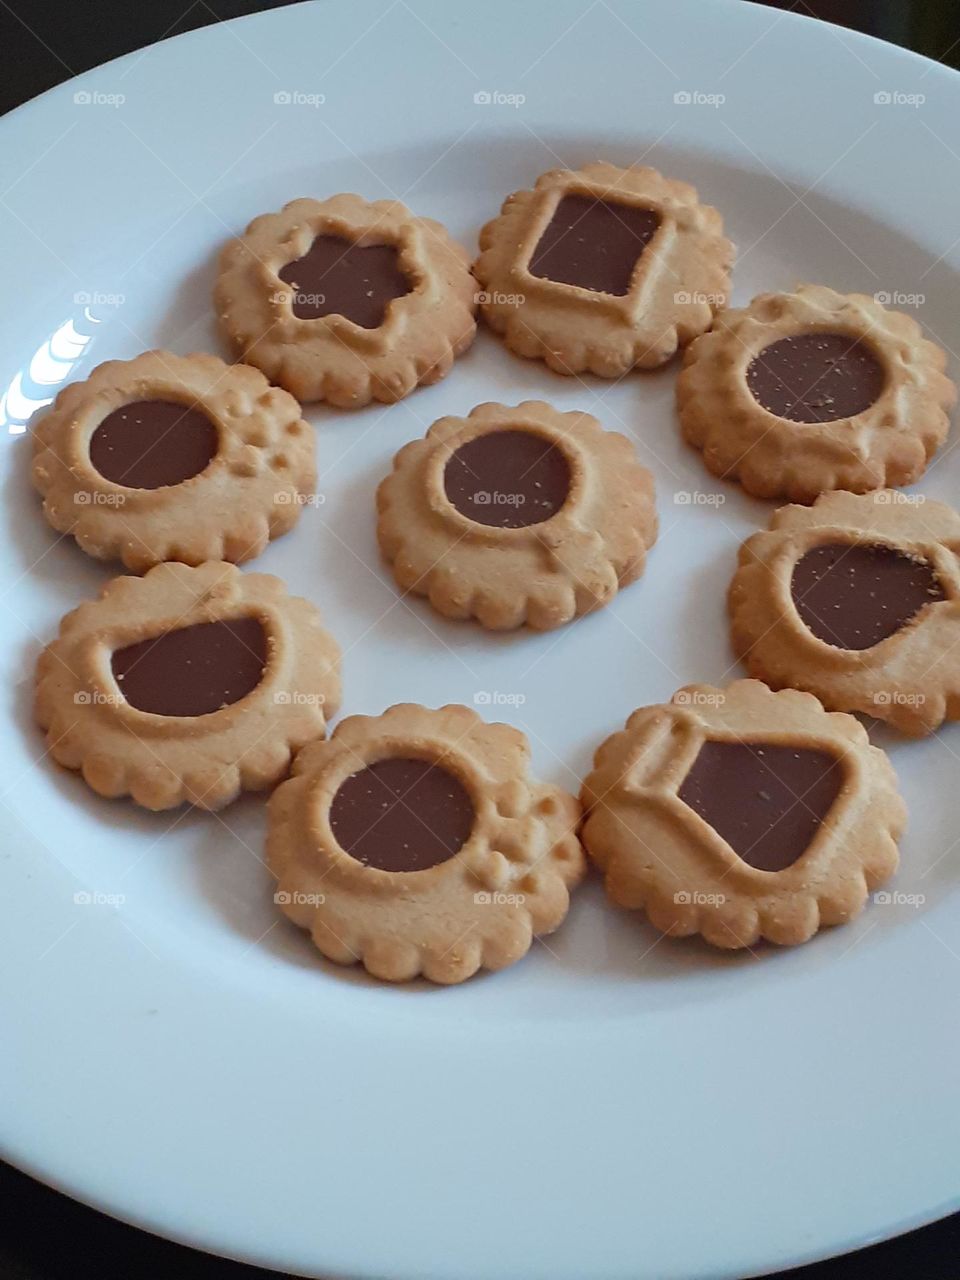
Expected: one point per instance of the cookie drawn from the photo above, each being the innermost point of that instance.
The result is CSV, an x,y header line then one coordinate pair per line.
x,y
741,814
804,392
347,301
603,269
188,684
416,843
169,457
517,515
856,599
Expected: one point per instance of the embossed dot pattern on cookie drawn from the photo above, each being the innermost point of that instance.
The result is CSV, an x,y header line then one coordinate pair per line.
x,y
194,670
402,814
594,244
507,479
816,377
852,595
153,443
338,277
767,802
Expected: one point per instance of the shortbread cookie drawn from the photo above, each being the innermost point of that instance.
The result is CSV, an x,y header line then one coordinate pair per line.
x,y
603,269
517,515
171,457
856,599
189,684
742,814
799,393
417,843
347,301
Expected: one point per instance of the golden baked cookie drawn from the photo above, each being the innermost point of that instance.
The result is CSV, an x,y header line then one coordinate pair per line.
x,y
416,842
603,269
169,457
857,600
517,515
742,814
188,684
347,301
804,392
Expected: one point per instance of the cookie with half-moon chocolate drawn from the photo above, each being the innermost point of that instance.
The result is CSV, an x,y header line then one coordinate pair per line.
x,y
517,515
416,842
742,814
190,684
800,393
169,457
346,300
856,599
603,269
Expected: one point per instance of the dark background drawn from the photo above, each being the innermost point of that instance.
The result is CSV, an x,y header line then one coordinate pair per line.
x,y
44,1236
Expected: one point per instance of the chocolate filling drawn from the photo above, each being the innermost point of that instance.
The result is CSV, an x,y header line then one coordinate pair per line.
x,y
816,377
767,802
402,814
152,443
594,244
193,670
853,595
339,277
507,479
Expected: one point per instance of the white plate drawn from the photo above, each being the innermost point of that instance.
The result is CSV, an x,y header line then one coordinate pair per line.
x,y
614,1106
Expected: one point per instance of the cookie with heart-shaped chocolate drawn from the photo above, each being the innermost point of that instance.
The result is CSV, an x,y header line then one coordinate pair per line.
x,y
741,814
857,600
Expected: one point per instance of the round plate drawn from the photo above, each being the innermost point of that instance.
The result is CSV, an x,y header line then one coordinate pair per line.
x,y
616,1105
